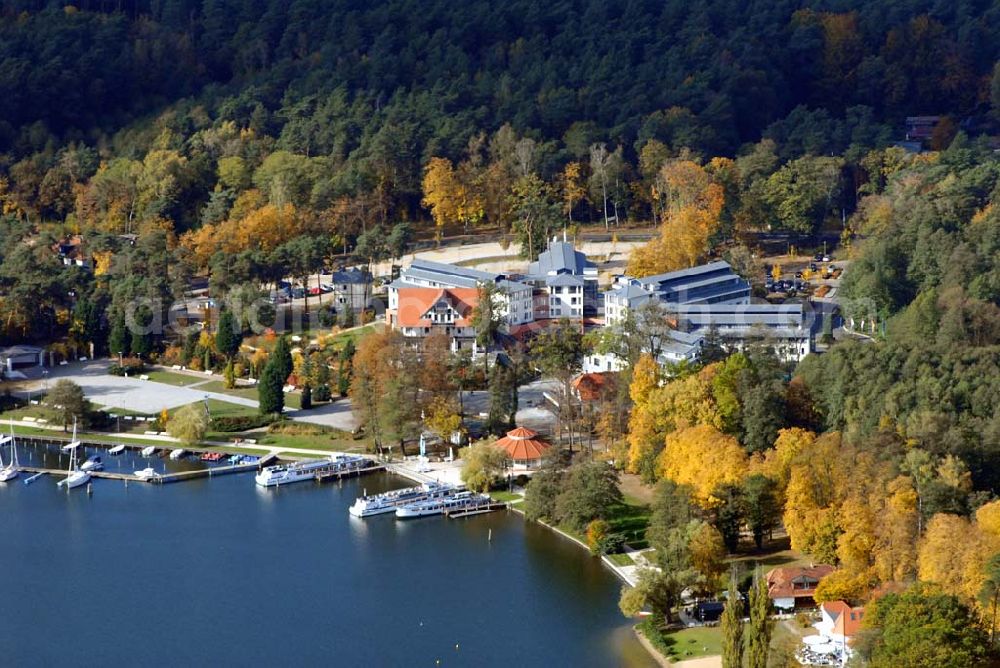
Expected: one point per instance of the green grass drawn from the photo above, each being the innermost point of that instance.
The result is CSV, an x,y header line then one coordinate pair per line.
x,y
631,518
171,378
292,399
506,497
683,644
621,559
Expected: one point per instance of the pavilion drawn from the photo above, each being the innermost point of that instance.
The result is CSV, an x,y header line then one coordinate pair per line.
x,y
526,450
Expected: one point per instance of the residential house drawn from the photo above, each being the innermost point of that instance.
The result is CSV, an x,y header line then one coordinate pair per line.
x,y
516,299
421,311
839,623
351,288
792,588
17,357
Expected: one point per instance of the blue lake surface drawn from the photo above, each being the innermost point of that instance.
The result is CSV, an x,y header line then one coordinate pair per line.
x,y
221,572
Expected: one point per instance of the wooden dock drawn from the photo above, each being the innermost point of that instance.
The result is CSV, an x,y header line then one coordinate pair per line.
x,y
478,509
347,473
164,478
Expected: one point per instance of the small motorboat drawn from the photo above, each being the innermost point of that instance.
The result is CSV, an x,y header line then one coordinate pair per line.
x,y
10,470
147,474
148,452
212,457
117,450
93,463
179,453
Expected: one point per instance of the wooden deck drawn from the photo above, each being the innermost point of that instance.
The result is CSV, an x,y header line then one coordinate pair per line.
x,y
478,509
339,475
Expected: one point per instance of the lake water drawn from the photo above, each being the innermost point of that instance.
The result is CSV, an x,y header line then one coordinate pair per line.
x,y
220,572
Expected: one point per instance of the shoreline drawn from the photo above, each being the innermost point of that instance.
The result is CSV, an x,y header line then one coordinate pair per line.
x,y
658,658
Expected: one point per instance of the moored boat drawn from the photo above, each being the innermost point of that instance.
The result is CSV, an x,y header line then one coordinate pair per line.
x,y
178,453
117,450
11,470
387,502
74,444
283,474
148,451
147,474
439,506
93,463
74,477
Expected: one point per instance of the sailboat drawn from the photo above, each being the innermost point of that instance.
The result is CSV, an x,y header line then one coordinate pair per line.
x,y
74,444
74,477
11,470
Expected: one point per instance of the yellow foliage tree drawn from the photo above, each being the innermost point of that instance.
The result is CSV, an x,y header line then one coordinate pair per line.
x,y
692,203
571,187
842,585
442,193
952,554
895,558
778,460
703,458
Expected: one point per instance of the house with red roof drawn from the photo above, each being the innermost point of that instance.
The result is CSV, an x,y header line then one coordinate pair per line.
x,y
422,311
791,588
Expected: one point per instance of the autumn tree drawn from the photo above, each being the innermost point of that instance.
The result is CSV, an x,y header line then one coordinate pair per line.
x,y
703,458
483,465
189,424
571,187
442,193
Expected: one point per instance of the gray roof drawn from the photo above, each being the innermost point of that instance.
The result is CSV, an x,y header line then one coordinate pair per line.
x,y
560,280
453,276
560,256
629,292
352,275
686,274
736,315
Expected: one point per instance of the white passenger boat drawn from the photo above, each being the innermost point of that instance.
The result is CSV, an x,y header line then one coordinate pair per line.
x,y
178,453
75,477
387,502
148,451
284,474
439,506
93,463
147,474
117,450
9,471
73,444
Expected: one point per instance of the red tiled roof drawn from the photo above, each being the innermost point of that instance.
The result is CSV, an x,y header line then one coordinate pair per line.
x,y
414,303
523,444
589,385
788,582
846,620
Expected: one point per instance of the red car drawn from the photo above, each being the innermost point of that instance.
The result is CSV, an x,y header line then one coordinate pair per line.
x,y
315,291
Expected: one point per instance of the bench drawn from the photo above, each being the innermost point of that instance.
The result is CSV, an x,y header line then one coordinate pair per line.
x,y
143,377
30,419
151,433
176,367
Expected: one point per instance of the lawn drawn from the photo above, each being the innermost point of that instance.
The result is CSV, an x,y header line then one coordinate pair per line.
x,y
506,497
683,644
631,518
621,559
292,399
171,378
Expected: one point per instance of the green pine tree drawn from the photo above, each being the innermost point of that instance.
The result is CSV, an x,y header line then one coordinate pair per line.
x,y
732,628
270,390
227,338
282,357
759,633
118,339
307,397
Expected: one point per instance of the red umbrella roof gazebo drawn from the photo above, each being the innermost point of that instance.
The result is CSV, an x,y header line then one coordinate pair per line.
x,y
523,444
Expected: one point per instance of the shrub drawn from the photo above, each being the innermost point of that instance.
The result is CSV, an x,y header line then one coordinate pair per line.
x,y
131,366
597,531
613,543
322,392
231,423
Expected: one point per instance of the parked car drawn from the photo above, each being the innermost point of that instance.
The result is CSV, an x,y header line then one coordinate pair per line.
x,y
813,266
798,274
826,258
298,293
315,291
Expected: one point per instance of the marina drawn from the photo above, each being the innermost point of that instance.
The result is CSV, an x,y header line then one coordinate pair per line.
x,y
224,534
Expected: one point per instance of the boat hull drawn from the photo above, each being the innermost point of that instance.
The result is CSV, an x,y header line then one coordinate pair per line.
x,y
76,479
8,474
